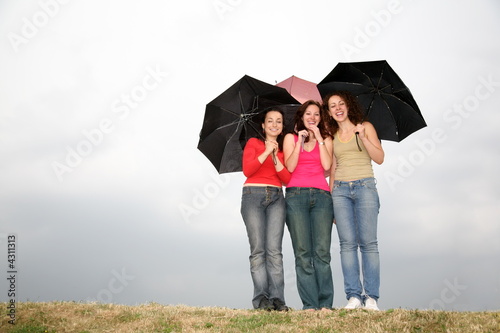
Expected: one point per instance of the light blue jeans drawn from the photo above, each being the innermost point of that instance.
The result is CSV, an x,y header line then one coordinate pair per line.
x,y
309,218
356,205
263,211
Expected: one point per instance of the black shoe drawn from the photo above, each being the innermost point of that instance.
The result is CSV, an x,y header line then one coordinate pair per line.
x,y
279,305
265,304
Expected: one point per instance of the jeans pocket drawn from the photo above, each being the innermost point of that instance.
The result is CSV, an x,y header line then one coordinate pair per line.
x,y
327,194
290,193
371,184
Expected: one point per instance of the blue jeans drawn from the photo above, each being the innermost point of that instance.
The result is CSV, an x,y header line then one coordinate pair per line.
x,y
263,211
356,205
309,218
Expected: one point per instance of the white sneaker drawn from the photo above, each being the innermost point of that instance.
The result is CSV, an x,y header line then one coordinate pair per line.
x,y
353,303
371,304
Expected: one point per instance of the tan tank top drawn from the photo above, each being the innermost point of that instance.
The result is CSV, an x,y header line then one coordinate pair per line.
x,y
352,164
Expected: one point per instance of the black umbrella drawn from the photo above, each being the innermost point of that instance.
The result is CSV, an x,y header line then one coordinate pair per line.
x,y
387,101
235,116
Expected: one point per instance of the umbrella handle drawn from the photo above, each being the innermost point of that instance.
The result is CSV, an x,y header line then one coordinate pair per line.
x,y
359,148
274,157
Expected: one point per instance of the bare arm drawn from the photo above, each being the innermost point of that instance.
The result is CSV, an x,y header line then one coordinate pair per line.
x,y
368,135
332,172
332,177
325,153
325,148
291,151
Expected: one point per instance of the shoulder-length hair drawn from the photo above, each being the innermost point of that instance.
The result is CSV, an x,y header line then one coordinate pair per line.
x,y
299,122
355,111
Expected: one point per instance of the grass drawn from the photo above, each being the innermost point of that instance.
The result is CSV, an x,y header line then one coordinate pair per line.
x,y
92,317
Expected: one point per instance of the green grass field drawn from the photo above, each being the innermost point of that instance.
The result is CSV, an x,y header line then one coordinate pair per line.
x,y
85,317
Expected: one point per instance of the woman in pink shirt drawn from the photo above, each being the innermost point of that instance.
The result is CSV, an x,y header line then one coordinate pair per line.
x,y
309,208
263,211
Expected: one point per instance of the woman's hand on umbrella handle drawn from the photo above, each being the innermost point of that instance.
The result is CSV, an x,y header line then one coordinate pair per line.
x,y
271,146
316,132
360,130
303,134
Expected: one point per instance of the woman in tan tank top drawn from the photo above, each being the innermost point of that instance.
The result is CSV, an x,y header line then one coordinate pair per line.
x,y
355,198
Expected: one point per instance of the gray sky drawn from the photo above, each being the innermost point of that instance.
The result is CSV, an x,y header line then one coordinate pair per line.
x,y
101,105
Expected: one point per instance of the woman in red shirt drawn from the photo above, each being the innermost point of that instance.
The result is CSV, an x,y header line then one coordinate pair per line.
x,y
263,211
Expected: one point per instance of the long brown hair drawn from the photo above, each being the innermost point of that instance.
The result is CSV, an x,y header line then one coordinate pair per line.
x,y
354,110
299,122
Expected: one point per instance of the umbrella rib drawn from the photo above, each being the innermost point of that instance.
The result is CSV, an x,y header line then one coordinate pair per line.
x,y
229,124
251,112
234,133
376,87
366,75
392,115
380,79
396,97
224,109
369,109
256,130
241,120
239,115
241,102
242,117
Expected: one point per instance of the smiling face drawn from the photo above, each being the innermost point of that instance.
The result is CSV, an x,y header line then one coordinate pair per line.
x,y
337,108
312,116
273,124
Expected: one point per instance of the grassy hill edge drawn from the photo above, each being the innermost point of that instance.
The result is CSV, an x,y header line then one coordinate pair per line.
x,y
152,317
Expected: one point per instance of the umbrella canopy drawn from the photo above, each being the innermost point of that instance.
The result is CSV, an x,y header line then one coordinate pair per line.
x,y
301,90
387,101
235,116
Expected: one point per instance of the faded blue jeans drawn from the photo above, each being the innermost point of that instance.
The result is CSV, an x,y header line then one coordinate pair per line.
x,y
309,218
263,211
356,205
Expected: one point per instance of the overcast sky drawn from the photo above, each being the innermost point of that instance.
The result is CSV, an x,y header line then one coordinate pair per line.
x,y
101,183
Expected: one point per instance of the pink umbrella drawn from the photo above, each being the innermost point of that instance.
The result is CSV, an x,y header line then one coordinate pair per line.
x,y
300,89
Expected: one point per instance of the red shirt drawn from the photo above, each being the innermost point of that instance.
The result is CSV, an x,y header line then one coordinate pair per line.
x,y
264,173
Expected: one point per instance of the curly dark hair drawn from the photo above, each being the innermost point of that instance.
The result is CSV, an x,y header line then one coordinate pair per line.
x,y
355,110
299,122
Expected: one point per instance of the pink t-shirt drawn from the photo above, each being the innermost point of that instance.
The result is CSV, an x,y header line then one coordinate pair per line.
x,y
309,172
